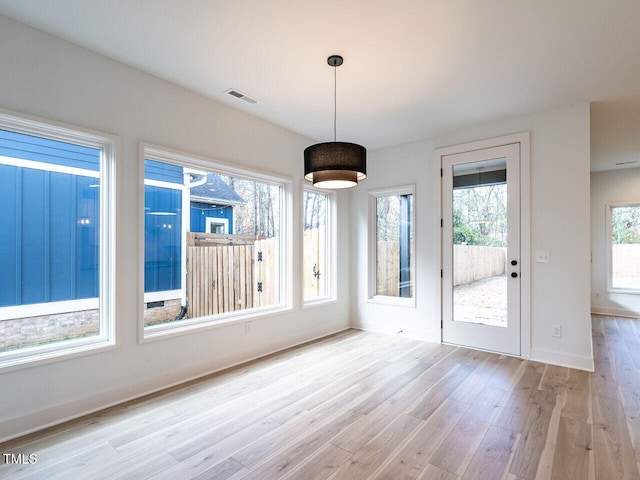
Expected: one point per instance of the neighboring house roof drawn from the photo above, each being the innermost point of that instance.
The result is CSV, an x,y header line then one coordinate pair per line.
x,y
216,191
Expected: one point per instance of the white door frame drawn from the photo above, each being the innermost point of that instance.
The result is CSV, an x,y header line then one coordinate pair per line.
x,y
523,139
500,339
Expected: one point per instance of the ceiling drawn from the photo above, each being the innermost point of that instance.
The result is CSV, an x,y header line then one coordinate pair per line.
x,y
413,69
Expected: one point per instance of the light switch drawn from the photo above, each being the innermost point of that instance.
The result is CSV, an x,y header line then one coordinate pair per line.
x,y
542,257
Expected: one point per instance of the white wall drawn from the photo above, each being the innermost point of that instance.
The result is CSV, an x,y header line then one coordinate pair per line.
x,y
50,78
614,134
610,187
560,159
412,163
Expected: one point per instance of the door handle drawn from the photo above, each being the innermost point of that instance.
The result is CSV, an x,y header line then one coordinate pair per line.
x,y
514,274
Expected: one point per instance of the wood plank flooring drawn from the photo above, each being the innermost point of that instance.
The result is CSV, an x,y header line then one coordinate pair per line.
x,y
361,405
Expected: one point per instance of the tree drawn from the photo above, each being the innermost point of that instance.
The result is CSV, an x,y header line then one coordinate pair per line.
x,y
257,217
314,210
388,218
480,215
625,225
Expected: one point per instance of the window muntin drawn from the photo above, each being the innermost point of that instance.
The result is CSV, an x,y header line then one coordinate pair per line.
x,y
391,246
195,277
317,246
55,240
624,247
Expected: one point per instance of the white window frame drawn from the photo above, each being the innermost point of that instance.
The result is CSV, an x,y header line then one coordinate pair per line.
x,y
609,230
183,327
217,221
109,146
373,195
331,243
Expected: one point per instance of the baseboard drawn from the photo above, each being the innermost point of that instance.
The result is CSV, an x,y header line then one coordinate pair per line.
x,y
417,334
614,312
562,359
50,417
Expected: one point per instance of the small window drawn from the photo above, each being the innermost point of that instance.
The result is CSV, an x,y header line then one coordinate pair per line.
x,y
217,225
624,247
214,243
391,246
55,245
317,246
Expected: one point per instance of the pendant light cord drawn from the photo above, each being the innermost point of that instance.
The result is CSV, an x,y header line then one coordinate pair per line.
x,y
335,103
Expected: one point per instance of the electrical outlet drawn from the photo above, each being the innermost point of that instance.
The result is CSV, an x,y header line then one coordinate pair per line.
x,y
556,331
542,257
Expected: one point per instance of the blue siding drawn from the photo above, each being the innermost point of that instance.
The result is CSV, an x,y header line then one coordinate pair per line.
x,y
163,235
162,228
63,242
164,172
34,249
49,236
10,225
87,238
27,147
200,212
49,226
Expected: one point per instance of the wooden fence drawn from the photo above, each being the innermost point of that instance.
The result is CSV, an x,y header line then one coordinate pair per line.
x,y
226,273
471,263
388,268
626,261
314,259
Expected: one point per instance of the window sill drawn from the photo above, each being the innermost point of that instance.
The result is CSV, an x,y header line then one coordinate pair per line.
x,y
318,302
394,301
184,327
39,355
624,291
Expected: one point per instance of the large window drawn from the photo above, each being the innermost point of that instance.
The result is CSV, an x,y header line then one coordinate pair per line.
x,y
214,238
55,240
317,246
391,245
624,247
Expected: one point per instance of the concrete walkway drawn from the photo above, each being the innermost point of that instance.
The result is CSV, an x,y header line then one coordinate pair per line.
x,y
483,301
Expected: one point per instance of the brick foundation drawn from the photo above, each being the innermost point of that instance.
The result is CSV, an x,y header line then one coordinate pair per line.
x,y
32,331
24,332
166,313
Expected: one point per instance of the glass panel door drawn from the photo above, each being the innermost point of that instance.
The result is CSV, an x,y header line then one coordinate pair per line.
x,y
481,249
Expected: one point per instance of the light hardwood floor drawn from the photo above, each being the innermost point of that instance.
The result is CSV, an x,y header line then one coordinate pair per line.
x,y
361,405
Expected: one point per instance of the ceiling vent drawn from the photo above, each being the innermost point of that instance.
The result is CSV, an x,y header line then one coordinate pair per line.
x,y
238,94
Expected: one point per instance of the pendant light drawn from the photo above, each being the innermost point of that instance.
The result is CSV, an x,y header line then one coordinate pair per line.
x,y
335,164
